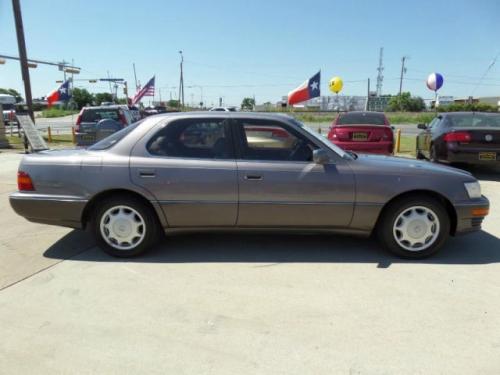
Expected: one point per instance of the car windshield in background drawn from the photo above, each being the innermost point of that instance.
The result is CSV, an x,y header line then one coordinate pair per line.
x,y
475,120
114,138
361,119
95,115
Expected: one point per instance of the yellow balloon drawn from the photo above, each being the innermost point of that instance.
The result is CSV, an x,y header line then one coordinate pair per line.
x,y
336,84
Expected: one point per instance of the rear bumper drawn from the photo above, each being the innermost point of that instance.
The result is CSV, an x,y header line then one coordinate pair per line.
x,y
49,209
466,221
470,156
385,148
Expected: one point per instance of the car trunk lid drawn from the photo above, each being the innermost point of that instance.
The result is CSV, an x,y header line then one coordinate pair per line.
x,y
361,133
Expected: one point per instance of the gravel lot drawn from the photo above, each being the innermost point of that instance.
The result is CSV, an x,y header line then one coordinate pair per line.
x,y
245,304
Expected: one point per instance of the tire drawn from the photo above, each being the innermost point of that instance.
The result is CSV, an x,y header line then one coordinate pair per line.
x,y
124,226
427,226
420,156
433,155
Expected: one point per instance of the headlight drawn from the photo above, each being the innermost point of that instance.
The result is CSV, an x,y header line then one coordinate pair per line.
x,y
473,189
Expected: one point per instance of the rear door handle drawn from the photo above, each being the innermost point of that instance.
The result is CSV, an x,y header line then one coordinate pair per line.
x,y
253,177
147,173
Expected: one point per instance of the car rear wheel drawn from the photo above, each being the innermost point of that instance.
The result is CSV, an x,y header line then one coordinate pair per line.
x,y
433,155
414,227
125,226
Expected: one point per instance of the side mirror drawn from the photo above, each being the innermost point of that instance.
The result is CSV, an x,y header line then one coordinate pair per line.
x,y
320,156
422,126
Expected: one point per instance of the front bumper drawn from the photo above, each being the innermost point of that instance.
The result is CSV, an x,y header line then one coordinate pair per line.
x,y
467,221
49,209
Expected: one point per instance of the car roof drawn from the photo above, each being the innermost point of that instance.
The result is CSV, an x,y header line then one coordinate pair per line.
x,y
468,113
116,106
362,112
242,115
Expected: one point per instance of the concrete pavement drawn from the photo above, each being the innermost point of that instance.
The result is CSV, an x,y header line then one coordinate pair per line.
x,y
245,304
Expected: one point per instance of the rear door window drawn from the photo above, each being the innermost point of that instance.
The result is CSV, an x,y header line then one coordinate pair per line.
x,y
193,138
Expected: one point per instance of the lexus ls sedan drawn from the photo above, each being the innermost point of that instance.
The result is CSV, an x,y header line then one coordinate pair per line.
x,y
238,170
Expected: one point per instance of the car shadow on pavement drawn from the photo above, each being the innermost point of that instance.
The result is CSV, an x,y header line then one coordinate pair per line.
x,y
484,173
477,248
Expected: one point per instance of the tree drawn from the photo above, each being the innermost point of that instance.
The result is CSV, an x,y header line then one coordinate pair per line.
x,y
82,97
173,103
12,92
248,103
103,97
406,102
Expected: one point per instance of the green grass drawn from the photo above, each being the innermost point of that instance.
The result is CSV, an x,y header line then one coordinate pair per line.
x,y
394,117
407,145
57,112
64,140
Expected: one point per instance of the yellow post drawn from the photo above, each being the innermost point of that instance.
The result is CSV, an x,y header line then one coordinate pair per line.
x,y
49,135
398,140
73,135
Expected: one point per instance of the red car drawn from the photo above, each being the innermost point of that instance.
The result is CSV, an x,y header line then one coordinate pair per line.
x,y
366,132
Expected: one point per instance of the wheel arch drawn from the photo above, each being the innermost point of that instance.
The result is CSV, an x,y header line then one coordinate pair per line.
x,y
103,195
429,193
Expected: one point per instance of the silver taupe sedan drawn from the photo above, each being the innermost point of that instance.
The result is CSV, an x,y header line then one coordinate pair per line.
x,y
234,171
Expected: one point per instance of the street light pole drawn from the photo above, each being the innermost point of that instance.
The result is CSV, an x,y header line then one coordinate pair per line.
x,y
23,56
181,83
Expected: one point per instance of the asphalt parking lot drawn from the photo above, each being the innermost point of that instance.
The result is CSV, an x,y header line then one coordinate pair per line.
x,y
246,304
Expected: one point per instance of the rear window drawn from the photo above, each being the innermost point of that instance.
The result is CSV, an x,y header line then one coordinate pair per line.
x,y
362,118
95,115
8,107
476,120
114,138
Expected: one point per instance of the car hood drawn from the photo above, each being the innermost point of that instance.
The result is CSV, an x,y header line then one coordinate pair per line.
x,y
406,167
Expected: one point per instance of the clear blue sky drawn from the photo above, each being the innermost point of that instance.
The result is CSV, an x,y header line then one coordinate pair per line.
x,y
261,48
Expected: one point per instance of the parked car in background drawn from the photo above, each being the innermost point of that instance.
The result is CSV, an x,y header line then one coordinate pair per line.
x,y
223,109
366,132
134,112
461,137
221,171
89,118
8,108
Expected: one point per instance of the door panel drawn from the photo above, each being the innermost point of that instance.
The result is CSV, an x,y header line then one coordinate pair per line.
x,y
295,194
280,185
189,166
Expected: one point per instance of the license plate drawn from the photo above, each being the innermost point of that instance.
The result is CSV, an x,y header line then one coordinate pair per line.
x,y
487,156
359,136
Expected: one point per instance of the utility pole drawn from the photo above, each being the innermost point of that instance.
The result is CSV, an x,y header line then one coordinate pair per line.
x,y
367,104
403,71
23,56
135,78
181,82
380,76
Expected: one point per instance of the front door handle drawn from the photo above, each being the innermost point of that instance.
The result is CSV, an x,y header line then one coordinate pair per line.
x,y
253,177
147,173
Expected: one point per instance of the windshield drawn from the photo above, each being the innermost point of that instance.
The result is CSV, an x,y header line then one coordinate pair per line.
x,y
475,120
361,118
322,139
114,138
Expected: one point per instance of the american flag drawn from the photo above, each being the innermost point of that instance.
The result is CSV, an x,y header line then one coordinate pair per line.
x,y
147,90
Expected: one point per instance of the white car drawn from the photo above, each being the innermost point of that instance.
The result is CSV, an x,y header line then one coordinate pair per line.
x,y
223,109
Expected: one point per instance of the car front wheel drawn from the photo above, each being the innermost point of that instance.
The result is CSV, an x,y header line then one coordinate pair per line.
x,y
125,226
414,227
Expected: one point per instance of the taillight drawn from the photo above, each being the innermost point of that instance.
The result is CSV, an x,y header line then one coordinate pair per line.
x,y
388,135
338,134
78,121
121,117
464,137
24,182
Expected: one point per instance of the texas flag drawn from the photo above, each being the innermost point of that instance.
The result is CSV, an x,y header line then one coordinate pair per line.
x,y
308,90
59,95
